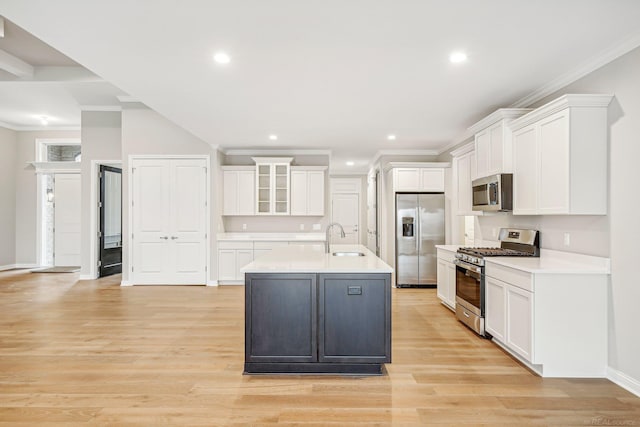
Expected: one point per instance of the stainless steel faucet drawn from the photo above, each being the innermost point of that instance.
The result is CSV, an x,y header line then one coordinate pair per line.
x,y
328,241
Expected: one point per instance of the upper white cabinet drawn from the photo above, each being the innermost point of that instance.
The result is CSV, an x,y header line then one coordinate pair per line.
x,y
427,177
464,169
493,142
560,157
238,189
307,190
272,185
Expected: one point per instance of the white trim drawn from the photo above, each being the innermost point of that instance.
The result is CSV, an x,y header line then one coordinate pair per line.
x,y
7,267
126,283
426,165
19,128
94,182
212,283
100,108
623,380
268,152
87,277
591,65
167,156
18,266
496,116
467,148
127,98
56,167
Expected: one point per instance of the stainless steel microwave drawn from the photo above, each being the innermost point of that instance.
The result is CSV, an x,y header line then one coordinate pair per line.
x,y
493,193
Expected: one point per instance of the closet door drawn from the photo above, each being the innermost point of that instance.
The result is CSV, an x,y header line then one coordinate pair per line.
x,y
169,209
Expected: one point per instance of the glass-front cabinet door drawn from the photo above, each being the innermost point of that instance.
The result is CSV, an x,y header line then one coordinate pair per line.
x,y
273,185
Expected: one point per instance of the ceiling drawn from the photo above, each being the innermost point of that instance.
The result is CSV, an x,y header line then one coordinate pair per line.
x,y
333,75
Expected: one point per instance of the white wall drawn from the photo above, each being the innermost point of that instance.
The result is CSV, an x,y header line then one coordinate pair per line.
x,y
26,193
8,156
101,140
146,132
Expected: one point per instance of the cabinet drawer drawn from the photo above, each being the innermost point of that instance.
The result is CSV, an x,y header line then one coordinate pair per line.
x,y
228,244
446,255
518,278
269,245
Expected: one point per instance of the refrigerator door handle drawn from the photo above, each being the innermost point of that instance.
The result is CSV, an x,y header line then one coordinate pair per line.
x,y
416,221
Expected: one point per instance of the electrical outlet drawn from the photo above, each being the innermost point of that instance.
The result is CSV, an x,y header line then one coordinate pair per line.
x,y
317,227
301,227
244,226
567,239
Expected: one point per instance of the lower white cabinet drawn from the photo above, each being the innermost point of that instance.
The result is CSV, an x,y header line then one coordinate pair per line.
x,y
446,273
556,323
232,256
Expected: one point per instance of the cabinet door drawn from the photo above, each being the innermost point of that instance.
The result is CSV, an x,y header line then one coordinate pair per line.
x,y
554,164
299,194
230,192
354,318
243,257
451,278
432,179
443,280
519,321
315,193
496,150
281,189
464,184
495,308
264,189
227,264
525,171
281,318
407,179
482,154
246,193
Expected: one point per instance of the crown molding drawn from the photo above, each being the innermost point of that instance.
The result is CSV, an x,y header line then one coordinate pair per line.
x,y
591,65
19,128
275,152
559,104
467,148
127,98
100,108
496,116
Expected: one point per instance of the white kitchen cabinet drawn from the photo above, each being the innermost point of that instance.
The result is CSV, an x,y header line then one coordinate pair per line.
x,y
493,142
307,190
446,274
427,179
560,157
232,256
272,185
464,166
238,190
495,308
519,322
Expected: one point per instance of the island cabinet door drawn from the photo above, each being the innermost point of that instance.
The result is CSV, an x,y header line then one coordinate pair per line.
x,y
281,318
354,318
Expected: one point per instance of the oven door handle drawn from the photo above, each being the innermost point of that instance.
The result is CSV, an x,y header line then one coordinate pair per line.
x,y
469,269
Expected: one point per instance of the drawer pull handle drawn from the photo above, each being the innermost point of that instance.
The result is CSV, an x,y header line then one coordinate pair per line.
x,y
465,313
354,290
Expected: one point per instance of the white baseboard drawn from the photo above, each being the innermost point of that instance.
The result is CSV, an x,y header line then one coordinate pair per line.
x,y
7,267
88,277
26,266
212,283
231,283
126,283
624,380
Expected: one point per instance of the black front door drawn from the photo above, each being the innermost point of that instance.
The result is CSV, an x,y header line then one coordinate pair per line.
x,y
110,221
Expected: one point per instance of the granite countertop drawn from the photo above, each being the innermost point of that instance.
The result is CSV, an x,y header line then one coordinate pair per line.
x,y
313,259
555,262
272,237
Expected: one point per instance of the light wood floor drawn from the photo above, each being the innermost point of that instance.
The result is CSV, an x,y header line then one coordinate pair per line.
x,y
94,353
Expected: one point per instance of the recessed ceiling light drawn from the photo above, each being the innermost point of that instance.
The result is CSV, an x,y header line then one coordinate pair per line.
x,y
457,57
222,58
273,137
391,137
350,163
44,120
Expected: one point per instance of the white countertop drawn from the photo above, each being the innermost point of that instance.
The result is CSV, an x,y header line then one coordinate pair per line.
x,y
312,259
450,248
272,237
555,262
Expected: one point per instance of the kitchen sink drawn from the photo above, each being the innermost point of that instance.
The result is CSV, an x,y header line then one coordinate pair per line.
x,y
348,254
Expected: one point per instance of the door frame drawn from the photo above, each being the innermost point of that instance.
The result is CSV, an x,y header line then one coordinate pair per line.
x,y
101,217
128,244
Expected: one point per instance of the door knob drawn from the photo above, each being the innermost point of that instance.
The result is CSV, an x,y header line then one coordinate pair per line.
x,y
164,237
174,237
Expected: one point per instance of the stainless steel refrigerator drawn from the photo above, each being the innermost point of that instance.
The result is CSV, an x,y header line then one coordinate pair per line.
x,y
419,227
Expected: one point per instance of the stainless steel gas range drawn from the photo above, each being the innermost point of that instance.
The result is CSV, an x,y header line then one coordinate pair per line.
x,y
470,282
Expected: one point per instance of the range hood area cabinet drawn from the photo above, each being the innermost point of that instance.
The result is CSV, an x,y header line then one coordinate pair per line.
x,y
493,142
560,157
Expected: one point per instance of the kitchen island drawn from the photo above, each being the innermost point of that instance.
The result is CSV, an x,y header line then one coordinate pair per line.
x,y
312,312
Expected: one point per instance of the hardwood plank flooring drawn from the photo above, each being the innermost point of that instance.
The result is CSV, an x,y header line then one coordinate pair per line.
x,y
92,353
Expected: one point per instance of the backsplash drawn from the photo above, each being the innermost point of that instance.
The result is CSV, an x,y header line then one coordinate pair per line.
x,y
587,234
271,224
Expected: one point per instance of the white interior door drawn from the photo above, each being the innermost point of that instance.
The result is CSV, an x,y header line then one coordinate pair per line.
x,y
345,210
67,220
169,221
